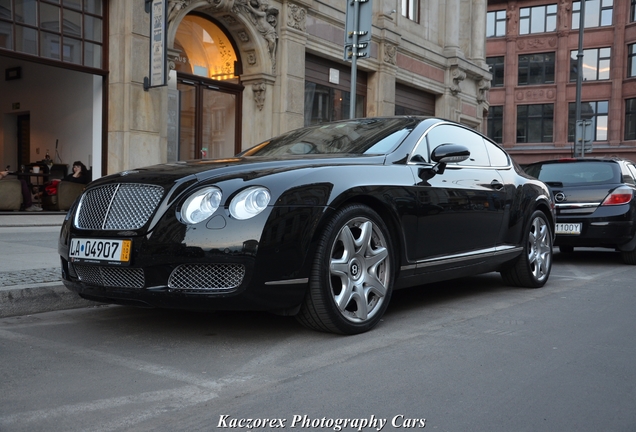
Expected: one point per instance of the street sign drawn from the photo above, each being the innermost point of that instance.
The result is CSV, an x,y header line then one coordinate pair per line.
x,y
584,135
358,28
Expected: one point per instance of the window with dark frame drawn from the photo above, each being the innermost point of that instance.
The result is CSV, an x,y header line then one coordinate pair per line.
x,y
411,9
631,61
596,111
596,64
632,11
538,19
535,123
496,65
536,69
598,13
630,119
495,123
496,23
72,32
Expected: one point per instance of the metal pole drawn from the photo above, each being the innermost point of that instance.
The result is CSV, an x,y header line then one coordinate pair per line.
x,y
354,58
579,82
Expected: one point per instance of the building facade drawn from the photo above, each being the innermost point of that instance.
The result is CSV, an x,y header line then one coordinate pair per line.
x,y
532,51
239,72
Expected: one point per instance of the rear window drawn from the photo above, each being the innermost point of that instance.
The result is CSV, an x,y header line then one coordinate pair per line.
x,y
576,173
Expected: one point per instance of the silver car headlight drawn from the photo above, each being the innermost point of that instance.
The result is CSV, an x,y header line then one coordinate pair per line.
x,y
250,202
201,205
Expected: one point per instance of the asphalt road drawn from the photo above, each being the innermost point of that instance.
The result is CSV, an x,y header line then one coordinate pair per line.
x,y
468,355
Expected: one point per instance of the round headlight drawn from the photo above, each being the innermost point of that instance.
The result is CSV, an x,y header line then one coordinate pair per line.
x,y
201,205
249,202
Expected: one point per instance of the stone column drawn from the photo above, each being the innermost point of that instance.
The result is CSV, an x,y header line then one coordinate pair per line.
x,y
479,32
137,126
453,15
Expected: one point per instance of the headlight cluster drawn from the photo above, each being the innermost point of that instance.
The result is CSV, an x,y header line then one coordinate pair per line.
x,y
204,202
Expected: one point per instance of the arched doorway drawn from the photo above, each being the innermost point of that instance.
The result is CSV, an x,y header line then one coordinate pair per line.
x,y
210,94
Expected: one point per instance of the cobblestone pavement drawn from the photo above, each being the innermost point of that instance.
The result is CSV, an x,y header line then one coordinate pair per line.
x,y
30,277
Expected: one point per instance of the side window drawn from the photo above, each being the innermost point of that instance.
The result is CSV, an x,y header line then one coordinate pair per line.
x,y
498,157
630,178
450,134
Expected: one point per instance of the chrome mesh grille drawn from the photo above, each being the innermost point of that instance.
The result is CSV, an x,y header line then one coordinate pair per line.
x,y
121,206
202,277
116,277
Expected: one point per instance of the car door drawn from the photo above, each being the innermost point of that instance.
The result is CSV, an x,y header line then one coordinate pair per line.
x,y
460,210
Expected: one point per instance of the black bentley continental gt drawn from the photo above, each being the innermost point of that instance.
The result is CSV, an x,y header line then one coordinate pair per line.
x,y
322,222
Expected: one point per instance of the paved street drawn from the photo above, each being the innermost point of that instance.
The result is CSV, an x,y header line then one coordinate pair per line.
x,y
468,355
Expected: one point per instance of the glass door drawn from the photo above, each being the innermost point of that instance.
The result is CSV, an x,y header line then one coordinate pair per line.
x,y
209,120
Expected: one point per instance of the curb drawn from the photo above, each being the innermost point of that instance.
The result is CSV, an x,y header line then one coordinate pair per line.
x,y
17,300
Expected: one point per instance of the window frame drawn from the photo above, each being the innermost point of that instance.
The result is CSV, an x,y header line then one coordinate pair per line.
x,y
410,9
530,67
493,20
603,11
546,123
630,120
497,69
495,118
595,116
597,68
631,60
547,19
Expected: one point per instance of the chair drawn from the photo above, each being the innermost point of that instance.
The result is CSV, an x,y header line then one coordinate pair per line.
x,y
10,194
67,193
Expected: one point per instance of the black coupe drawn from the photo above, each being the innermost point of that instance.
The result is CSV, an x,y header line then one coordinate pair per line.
x,y
595,202
321,223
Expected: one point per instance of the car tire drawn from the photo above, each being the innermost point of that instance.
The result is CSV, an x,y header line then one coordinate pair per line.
x,y
532,268
629,257
352,274
566,249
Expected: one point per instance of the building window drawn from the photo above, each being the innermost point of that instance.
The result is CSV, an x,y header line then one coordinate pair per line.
x,y
598,13
632,11
496,65
535,123
630,119
595,111
596,64
326,104
631,60
495,123
72,33
496,24
411,9
536,69
538,19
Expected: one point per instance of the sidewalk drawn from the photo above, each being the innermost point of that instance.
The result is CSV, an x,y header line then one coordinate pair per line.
x,y
30,280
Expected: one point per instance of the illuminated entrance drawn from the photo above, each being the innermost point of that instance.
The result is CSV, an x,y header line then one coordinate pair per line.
x,y
209,90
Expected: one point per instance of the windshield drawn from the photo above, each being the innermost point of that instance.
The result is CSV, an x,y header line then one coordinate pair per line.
x,y
576,173
362,136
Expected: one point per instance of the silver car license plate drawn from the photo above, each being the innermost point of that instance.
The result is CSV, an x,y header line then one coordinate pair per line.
x,y
568,228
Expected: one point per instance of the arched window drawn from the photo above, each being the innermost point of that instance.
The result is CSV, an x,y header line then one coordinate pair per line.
x,y
206,50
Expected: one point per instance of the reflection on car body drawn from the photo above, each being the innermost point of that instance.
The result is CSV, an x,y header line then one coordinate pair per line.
x,y
595,202
322,223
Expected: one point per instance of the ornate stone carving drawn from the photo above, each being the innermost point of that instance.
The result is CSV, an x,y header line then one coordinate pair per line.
x,y
536,94
259,94
243,36
296,17
264,19
482,86
390,54
251,58
175,7
457,76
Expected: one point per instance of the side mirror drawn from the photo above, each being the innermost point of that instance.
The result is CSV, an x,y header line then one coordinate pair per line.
x,y
445,153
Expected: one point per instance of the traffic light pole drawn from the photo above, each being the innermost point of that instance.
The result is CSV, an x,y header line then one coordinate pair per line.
x,y
354,59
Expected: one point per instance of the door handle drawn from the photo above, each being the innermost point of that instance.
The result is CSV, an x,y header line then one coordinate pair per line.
x,y
496,185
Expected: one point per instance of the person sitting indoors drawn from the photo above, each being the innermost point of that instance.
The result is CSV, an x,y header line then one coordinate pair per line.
x,y
79,175
27,200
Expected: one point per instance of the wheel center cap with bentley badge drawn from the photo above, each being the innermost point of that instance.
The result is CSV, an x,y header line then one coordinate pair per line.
x,y
354,269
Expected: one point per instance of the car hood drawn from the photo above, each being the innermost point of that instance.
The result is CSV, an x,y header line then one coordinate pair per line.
x,y
250,167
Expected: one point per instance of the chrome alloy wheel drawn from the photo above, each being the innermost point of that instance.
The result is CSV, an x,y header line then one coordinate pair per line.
x,y
359,267
539,249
